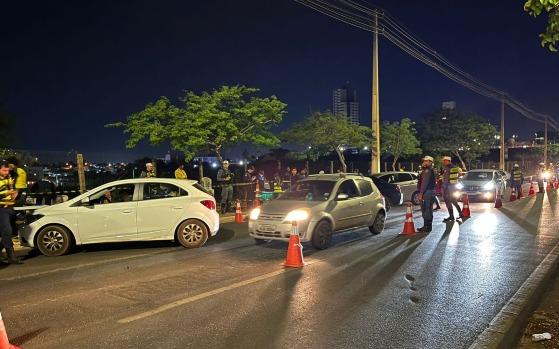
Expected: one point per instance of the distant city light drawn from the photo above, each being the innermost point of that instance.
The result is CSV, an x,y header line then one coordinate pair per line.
x,y
214,165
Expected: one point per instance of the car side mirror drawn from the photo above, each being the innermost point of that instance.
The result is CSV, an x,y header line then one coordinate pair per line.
x,y
342,197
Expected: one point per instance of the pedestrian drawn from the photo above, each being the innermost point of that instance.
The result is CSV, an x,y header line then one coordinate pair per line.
x,y
8,196
261,179
541,177
20,177
293,177
44,190
516,179
149,172
248,185
426,191
180,173
304,173
225,179
450,176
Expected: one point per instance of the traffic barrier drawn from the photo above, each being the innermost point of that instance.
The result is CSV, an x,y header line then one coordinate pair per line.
x,y
498,201
294,257
238,213
4,342
466,206
532,191
409,226
257,196
512,194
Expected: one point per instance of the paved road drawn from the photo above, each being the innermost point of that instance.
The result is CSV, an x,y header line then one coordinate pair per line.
x,y
426,291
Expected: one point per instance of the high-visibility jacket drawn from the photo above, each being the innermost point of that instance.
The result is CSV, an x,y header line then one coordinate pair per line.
x,y
180,173
453,176
6,185
277,188
517,175
21,179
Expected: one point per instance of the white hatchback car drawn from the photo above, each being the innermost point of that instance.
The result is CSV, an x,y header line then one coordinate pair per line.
x,y
145,209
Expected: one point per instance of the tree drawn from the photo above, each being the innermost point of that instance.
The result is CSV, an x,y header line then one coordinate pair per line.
x,y
536,8
325,132
466,136
399,139
207,121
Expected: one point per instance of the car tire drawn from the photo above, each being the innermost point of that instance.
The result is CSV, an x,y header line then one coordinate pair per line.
x,y
54,241
415,198
192,233
378,224
322,235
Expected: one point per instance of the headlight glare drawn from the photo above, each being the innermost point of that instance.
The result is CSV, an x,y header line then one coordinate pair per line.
x,y
254,214
459,186
489,186
297,215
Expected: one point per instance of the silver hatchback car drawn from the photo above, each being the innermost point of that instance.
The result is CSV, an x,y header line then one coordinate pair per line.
x,y
322,204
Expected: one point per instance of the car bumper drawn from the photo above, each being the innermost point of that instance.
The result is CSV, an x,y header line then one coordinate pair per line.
x,y
214,223
487,195
26,234
279,230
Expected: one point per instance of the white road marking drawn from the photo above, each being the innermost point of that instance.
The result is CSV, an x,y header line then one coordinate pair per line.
x,y
207,294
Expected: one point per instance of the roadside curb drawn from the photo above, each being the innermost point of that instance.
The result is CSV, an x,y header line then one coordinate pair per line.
x,y
507,326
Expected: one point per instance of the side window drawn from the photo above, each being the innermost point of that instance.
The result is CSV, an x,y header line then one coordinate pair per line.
x,y
404,177
154,191
365,187
111,195
348,187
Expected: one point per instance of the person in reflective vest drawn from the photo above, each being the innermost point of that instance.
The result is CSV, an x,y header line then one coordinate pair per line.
x,y
450,179
180,173
516,178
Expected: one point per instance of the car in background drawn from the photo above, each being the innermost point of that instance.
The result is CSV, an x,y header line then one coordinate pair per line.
x,y
145,209
481,184
322,205
391,192
406,180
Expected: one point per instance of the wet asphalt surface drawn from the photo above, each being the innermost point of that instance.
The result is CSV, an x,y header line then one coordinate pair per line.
x,y
437,290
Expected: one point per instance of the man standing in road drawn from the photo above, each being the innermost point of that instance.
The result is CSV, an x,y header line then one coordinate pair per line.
x,y
426,191
20,178
180,173
149,172
516,179
450,179
541,177
8,197
225,178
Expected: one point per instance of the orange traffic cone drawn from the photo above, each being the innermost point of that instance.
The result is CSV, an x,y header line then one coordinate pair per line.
x,y
257,195
4,342
498,202
549,187
409,226
556,184
294,257
466,206
532,190
513,194
238,213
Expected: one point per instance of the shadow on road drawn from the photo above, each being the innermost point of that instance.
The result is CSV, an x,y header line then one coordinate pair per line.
x,y
21,340
534,212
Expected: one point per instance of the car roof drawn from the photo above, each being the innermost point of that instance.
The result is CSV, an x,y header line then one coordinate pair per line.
x,y
334,176
482,170
153,179
393,172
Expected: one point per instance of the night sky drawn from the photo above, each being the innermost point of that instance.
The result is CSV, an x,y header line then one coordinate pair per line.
x,y
68,68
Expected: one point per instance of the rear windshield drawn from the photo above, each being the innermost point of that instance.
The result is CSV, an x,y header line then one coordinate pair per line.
x,y
201,188
478,176
309,191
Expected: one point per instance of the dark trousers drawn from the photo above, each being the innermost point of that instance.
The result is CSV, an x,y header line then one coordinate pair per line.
x,y
226,197
7,226
451,201
427,208
436,202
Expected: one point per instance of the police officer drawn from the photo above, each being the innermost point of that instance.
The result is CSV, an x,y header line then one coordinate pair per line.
x,y
541,175
516,179
8,196
19,176
450,179
225,179
426,192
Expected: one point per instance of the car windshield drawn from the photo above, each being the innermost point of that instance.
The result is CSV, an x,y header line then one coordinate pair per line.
x,y
478,176
309,191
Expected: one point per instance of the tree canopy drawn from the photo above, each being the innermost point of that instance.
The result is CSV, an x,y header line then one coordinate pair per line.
x,y
551,35
207,121
399,139
450,132
324,132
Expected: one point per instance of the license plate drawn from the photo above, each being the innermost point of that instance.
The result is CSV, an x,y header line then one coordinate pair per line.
x,y
268,228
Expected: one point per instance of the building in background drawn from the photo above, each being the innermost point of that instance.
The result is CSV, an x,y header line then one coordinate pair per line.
x,y
345,104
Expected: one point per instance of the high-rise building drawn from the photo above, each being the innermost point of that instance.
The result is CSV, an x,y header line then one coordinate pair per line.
x,y
345,103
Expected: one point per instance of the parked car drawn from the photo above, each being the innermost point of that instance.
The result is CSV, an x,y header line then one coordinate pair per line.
x,y
406,180
391,192
323,204
482,184
128,210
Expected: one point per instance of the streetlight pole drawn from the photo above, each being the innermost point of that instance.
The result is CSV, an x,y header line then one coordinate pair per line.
x,y
545,144
375,112
502,152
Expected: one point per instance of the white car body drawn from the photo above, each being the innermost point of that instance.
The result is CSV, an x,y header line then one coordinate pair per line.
x,y
141,216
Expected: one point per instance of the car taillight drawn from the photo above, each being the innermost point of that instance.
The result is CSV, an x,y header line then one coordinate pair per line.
x,y
209,204
398,189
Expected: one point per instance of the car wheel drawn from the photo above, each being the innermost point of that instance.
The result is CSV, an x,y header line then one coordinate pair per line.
x,y
54,240
192,233
378,224
415,198
322,235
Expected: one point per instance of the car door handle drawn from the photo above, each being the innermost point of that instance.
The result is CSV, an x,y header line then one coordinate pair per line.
x,y
127,211
177,208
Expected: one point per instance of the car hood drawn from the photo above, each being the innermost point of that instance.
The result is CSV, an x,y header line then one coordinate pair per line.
x,y
286,206
475,183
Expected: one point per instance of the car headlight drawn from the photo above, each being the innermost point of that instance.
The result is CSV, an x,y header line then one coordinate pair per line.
x,y
489,186
459,186
546,175
254,214
297,215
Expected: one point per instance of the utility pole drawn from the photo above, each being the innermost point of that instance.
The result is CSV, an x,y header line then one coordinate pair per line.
x,y
375,112
502,153
545,144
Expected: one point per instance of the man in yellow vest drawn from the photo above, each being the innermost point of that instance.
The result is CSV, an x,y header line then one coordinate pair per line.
x,y
516,178
20,177
180,173
450,179
8,196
